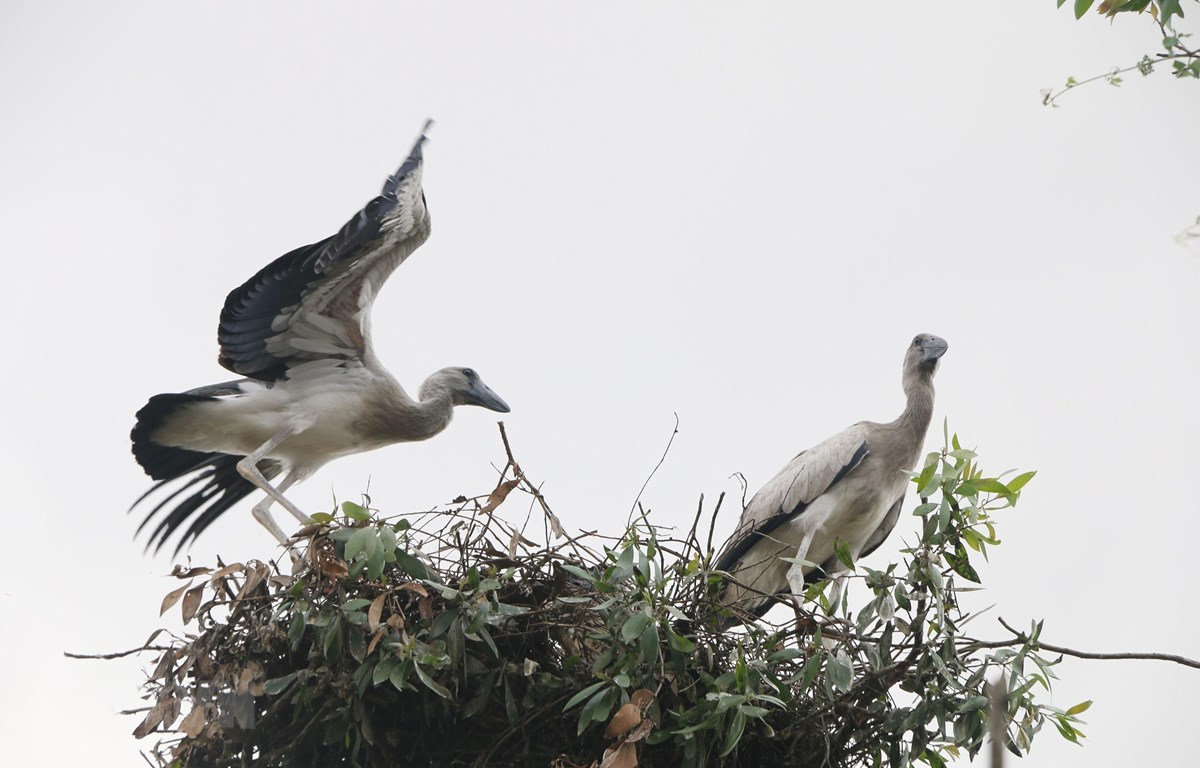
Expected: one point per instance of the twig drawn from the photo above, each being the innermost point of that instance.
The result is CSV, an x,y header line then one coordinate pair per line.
x,y
533,490
119,655
654,471
1021,637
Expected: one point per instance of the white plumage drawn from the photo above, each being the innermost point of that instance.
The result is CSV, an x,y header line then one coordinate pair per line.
x,y
299,330
845,490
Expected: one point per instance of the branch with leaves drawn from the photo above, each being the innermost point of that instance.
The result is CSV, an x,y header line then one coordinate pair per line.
x,y
1184,60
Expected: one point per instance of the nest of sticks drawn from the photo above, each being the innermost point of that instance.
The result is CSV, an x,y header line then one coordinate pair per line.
x,y
452,638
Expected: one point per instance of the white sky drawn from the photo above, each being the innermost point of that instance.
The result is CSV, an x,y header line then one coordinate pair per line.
x,y
740,213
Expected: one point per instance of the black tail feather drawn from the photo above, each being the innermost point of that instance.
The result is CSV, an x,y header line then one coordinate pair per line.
x,y
212,483
210,488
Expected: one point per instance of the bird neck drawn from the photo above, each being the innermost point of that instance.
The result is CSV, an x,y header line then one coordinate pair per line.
x,y
431,413
394,417
918,411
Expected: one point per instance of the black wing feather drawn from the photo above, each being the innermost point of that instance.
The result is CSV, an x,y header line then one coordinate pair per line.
x,y
252,308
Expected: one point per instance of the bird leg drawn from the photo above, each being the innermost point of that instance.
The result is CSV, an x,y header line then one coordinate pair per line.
x,y
795,572
262,514
248,468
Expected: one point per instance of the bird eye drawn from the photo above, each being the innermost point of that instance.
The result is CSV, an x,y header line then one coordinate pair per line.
x,y
470,374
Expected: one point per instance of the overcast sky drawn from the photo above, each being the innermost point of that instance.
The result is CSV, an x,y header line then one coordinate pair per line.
x,y
737,213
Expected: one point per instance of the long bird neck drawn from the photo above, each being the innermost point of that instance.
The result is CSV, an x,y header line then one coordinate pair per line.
x,y
431,412
396,417
918,389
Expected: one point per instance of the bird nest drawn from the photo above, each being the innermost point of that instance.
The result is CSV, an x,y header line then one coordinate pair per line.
x,y
452,638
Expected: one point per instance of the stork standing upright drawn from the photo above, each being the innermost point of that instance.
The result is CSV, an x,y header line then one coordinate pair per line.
x,y
845,490
299,331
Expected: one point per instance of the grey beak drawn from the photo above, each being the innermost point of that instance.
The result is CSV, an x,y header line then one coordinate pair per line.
x,y
481,394
932,348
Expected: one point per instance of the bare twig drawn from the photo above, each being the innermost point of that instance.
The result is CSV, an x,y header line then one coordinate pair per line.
x,y
661,459
1021,638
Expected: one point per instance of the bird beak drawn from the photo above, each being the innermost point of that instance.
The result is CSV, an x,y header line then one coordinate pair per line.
x,y
482,395
933,348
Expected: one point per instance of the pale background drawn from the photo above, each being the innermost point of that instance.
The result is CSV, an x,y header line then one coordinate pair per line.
x,y
737,212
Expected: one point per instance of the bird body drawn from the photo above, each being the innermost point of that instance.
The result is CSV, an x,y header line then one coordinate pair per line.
x,y
847,490
299,331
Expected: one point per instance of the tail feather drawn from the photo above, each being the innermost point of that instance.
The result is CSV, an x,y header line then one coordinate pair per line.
x,y
211,481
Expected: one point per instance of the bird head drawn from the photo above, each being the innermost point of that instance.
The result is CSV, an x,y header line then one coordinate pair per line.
x,y
925,352
466,388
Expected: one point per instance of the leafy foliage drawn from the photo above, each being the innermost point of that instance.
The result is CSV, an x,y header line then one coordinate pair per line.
x,y
452,639
1184,60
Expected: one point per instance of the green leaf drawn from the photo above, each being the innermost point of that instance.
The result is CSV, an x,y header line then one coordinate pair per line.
x,y
399,676
411,565
584,694
374,559
960,563
296,629
355,511
679,642
736,726
331,643
839,670
432,684
280,684
1081,7
1018,482
358,542
1079,708
597,708
387,537
991,485
842,550
355,604
650,644
972,704
321,517
634,626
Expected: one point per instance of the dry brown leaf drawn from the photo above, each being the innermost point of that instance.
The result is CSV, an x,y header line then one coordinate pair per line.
x,y
166,663
171,714
191,603
250,679
223,572
254,577
153,635
180,572
627,716
374,612
334,568
642,731
413,586
184,667
194,723
172,598
153,717
623,756
641,698
497,497
375,640
425,606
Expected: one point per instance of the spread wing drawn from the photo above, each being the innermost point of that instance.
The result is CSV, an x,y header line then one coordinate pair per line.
x,y
797,485
315,302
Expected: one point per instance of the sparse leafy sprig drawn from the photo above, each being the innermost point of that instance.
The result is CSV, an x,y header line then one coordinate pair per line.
x,y
1183,58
